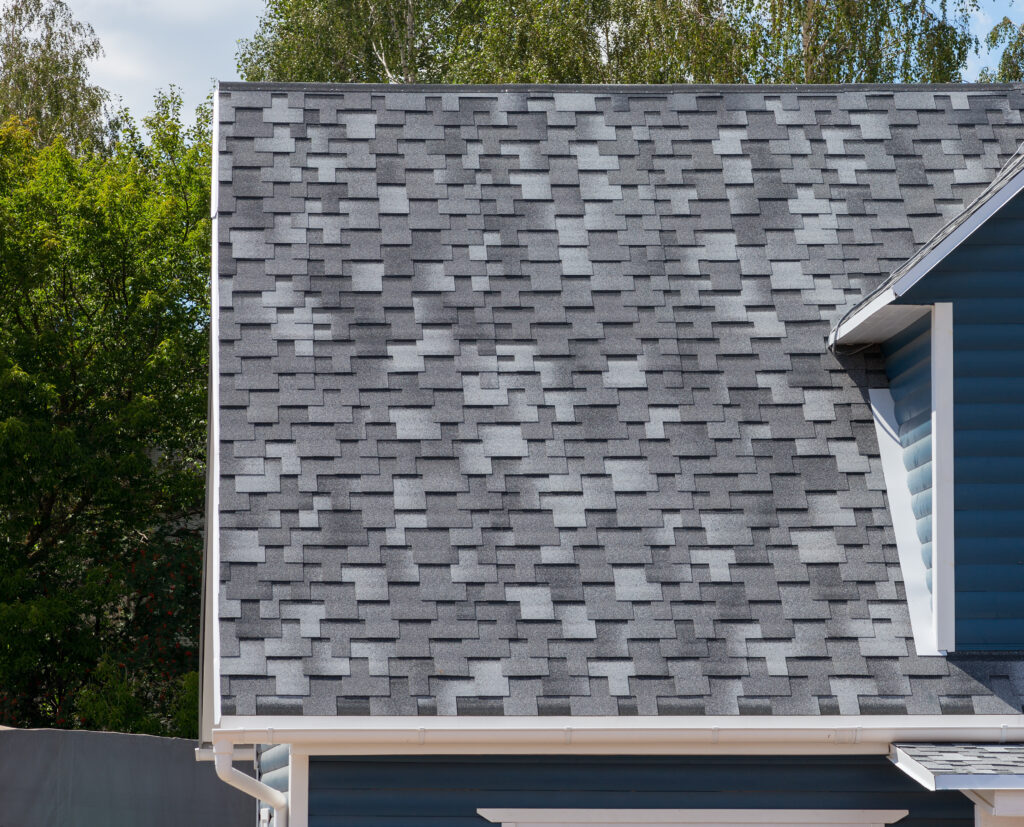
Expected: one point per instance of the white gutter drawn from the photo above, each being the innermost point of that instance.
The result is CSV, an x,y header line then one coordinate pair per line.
x,y
610,735
223,755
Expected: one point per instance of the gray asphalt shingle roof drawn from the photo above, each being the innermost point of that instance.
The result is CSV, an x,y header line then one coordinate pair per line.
x,y
525,403
967,759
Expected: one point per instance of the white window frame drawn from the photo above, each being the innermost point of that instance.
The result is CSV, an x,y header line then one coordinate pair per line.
x,y
689,818
932,614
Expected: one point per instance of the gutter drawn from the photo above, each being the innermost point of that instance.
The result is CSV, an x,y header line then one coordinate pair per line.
x,y
223,756
601,735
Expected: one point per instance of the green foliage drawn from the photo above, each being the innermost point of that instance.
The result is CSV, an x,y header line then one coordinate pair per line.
x,y
44,72
357,41
103,366
1011,63
611,41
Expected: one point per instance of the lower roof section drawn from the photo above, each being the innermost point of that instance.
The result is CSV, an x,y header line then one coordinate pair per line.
x,y
613,735
963,766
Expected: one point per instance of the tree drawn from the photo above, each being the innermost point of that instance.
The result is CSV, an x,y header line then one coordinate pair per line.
x,y
857,41
44,72
612,41
1011,63
355,41
104,313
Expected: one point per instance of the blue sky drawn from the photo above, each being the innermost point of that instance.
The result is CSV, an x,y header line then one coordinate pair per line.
x,y
151,43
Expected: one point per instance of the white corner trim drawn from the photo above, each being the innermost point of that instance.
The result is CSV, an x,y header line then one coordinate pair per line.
x,y
298,790
943,568
908,544
724,817
613,735
1000,199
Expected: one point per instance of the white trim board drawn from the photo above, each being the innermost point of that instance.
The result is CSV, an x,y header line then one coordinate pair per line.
x,y
613,735
908,544
943,482
691,818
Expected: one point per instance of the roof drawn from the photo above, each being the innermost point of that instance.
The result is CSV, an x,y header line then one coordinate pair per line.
x,y
877,317
963,766
525,406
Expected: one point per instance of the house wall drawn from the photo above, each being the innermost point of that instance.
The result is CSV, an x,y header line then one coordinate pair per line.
x,y
425,791
984,282
908,364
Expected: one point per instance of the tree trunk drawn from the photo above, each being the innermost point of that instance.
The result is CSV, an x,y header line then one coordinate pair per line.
x,y
410,43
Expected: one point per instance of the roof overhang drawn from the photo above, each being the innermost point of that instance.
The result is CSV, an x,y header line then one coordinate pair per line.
x,y
612,735
878,317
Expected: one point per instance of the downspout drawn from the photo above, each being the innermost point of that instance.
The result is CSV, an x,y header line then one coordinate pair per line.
x,y
223,755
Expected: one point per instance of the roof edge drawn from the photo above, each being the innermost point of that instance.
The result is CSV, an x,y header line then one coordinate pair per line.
x,y
874,318
652,88
595,735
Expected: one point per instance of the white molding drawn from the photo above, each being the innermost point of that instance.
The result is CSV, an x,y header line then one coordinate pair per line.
x,y
298,790
943,557
612,735
908,544
694,818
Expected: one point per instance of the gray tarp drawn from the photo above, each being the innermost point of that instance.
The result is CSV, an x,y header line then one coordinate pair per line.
x,y
55,778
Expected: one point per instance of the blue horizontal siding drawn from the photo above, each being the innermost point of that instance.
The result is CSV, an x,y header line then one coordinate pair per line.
x,y
984,281
908,363
403,792
274,766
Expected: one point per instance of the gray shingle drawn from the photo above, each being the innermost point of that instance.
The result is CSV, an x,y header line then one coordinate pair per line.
x,y
534,415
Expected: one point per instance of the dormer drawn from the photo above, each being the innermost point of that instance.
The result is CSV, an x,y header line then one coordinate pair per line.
x,y
950,426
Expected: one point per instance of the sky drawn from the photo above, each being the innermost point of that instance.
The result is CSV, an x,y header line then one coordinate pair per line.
x,y
152,43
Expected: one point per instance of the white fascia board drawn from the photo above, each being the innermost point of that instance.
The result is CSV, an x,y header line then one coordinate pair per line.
x,y
943,526
884,324
908,544
514,817
610,735
959,235
921,774
849,330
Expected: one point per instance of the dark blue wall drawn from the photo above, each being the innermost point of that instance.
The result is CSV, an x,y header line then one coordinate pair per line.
x,y
436,791
984,280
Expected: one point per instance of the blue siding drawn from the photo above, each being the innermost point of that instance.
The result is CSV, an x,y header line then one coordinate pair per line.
x,y
908,363
274,766
984,280
446,791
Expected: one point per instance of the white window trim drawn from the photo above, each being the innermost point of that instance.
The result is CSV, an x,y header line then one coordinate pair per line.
x,y
932,614
690,818
943,561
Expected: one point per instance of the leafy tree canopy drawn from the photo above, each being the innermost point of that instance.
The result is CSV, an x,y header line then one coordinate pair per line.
x,y
612,41
44,72
104,262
